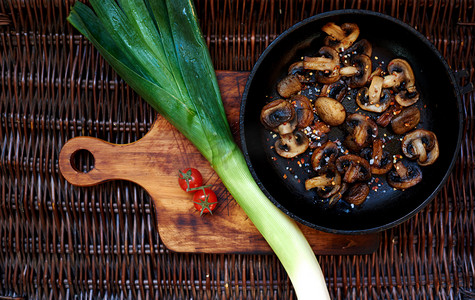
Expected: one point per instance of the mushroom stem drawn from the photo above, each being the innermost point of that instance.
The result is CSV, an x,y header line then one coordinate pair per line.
x,y
377,152
361,135
420,150
375,89
321,181
401,169
348,71
351,173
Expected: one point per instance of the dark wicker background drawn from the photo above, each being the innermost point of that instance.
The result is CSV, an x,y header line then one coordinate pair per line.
x,y
58,241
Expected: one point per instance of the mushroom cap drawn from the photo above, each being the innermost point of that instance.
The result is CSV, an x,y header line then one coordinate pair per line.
x,y
422,145
362,130
330,111
354,167
356,193
404,175
304,110
289,85
292,144
324,156
406,120
364,65
279,116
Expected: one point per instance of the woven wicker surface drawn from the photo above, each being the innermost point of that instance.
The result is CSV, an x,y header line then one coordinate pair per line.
x,y
59,241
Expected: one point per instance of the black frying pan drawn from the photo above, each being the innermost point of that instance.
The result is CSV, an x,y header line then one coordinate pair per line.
x,y
440,104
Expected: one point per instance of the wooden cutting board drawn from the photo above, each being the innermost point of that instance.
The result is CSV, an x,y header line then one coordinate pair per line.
x,y
153,163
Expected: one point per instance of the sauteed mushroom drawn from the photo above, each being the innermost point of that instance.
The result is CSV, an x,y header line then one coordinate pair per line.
x,y
303,75
292,144
344,67
327,60
406,120
279,116
379,103
341,37
327,66
404,175
379,160
402,78
303,109
364,65
422,145
354,168
327,184
406,98
362,131
362,46
400,73
324,156
385,118
356,193
288,86
336,90
330,111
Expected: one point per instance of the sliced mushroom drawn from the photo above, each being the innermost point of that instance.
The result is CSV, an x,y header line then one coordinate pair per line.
x,y
327,66
379,106
354,168
336,90
330,111
400,73
385,118
357,193
422,145
303,75
341,37
362,46
325,156
327,184
406,120
288,86
292,144
406,98
327,60
361,131
379,160
318,133
364,65
404,175
304,110
279,116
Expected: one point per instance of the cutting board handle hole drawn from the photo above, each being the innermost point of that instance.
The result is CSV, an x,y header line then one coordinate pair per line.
x,y
82,161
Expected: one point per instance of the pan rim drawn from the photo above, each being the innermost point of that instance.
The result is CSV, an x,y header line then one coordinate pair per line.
x,y
450,76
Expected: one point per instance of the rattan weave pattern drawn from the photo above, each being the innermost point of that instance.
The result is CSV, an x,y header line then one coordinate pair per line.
x,y
58,241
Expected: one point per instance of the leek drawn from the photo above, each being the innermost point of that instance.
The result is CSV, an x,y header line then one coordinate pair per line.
x,y
158,49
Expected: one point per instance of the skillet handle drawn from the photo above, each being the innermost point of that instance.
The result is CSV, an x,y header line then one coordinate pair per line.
x,y
459,76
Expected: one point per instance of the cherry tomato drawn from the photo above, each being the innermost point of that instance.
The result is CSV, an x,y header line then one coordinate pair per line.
x,y
205,200
190,178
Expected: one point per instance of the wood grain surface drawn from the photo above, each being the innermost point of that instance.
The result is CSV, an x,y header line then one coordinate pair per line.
x,y
153,163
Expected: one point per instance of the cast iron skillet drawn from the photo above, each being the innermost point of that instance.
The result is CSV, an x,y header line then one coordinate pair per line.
x,y
440,104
